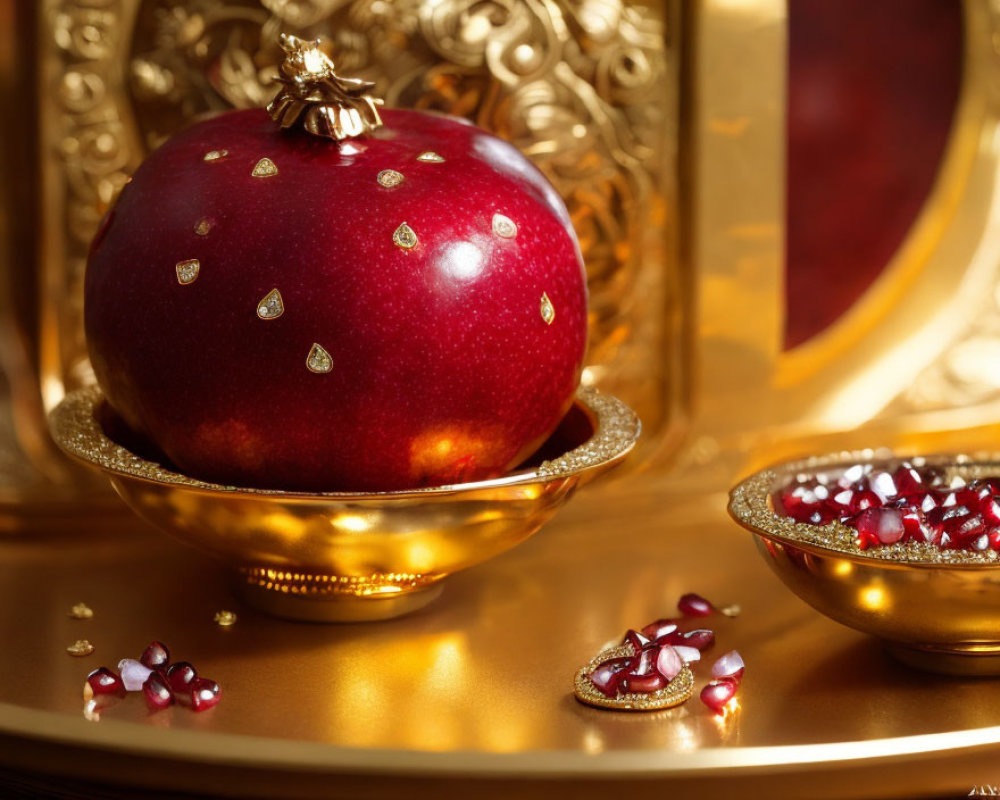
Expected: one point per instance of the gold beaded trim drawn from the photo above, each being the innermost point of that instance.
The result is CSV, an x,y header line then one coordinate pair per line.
x,y
305,583
678,691
748,504
75,427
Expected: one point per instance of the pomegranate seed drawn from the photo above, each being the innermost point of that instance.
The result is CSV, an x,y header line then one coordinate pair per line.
x,y
157,693
636,639
156,656
643,684
701,639
608,675
879,526
688,654
133,674
662,627
205,694
103,683
179,677
883,485
729,665
862,501
717,693
994,539
693,605
668,663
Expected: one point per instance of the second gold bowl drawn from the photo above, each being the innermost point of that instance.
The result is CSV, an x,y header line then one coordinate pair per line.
x,y
933,609
351,556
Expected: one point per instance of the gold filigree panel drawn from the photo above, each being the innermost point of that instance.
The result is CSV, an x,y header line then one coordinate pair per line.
x,y
584,87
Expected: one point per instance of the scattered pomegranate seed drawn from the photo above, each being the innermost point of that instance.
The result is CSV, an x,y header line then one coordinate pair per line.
x,y
156,656
103,683
693,605
700,639
163,685
205,694
717,693
179,677
133,673
729,665
157,693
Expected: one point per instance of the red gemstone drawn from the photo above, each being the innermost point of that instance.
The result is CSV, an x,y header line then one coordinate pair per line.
x,y
156,656
717,693
879,526
643,684
729,665
636,639
205,694
702,639
104,683
882,484
157,693
693,605
662,627
863,500
608,675
801,500
668,662
179,677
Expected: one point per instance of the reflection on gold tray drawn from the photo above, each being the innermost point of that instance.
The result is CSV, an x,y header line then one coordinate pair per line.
x,y
477,686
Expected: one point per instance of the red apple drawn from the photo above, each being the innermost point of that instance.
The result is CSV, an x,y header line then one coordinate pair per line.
x,y
439,351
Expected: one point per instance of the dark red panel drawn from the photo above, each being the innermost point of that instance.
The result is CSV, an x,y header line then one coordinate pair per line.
x,y
872,91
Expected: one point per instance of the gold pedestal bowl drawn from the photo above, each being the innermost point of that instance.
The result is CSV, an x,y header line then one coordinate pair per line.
x,y
344,557
934,609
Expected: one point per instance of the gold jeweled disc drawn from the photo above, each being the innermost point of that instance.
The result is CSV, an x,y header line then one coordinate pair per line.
x,y
390,178
678,691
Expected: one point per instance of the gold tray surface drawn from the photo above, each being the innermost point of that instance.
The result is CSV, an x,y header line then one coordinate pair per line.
x,y
478,686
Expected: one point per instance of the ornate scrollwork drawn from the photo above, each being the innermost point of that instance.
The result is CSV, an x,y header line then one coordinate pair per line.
x,y
578,85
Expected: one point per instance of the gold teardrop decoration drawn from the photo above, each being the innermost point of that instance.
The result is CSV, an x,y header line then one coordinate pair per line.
x,y
547,309
265,168
187,271
215,155
404,237
318,360
272,306
504,227
390,178
430,157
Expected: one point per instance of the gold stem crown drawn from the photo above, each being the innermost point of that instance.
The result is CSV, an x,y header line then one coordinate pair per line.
x,y
313,95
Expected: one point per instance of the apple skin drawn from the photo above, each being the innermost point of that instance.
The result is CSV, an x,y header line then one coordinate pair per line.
x,y
443,368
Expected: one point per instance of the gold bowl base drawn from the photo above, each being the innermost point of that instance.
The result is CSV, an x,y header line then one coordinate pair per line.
x,y
973,660
306,601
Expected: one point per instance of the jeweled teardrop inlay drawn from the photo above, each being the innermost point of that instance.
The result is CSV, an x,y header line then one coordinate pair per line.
x,y
187,271
548,311
404,237
272,306
265,168
504,227
430,157
319,360
390,178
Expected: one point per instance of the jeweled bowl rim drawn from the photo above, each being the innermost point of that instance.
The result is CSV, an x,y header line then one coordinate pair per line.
x,y
75,428
748,506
